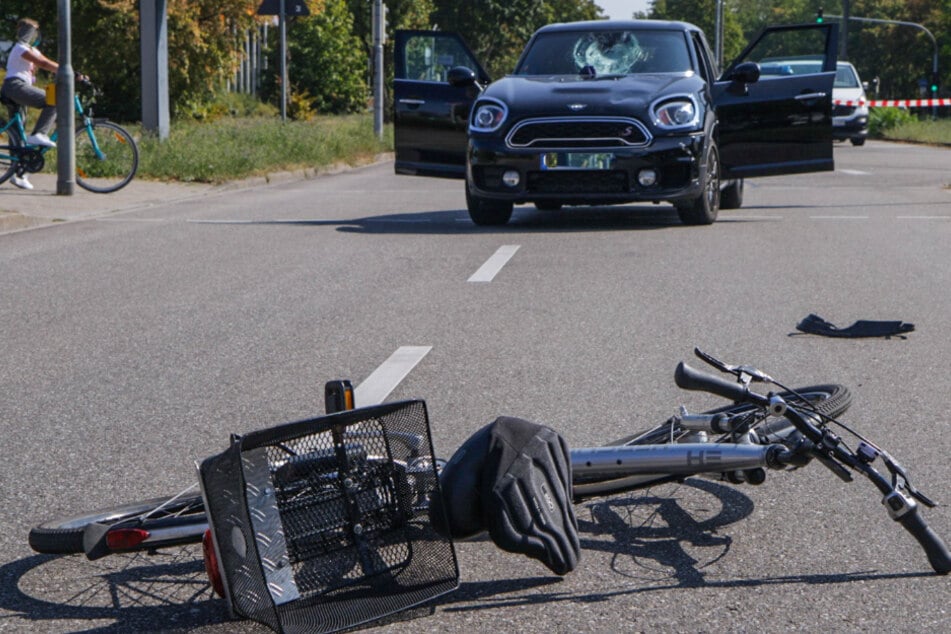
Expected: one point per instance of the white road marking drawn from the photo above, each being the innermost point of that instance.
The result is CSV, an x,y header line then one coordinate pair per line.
x,y
376,387
924,217
494,264
838,217
855,172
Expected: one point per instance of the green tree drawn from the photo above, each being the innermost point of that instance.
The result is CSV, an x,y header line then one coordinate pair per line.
x,y
703,14
327,67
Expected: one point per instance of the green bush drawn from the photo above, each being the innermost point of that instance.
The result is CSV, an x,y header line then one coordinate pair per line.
x,y
882,119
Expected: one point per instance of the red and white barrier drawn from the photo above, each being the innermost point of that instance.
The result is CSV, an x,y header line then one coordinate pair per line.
x,y
893,103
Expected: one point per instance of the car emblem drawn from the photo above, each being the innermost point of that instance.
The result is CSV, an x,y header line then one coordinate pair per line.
x,y
575,107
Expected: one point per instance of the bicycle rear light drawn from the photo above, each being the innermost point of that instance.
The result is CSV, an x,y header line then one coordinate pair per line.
x,y
126,538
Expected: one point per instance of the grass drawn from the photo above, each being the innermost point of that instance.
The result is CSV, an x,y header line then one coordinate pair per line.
x,y
937,132
235,148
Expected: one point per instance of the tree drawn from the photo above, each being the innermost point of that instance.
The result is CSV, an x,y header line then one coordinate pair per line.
x,y
703,14
328,68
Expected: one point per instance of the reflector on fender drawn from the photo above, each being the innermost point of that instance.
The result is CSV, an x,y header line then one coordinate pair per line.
x,y
126,538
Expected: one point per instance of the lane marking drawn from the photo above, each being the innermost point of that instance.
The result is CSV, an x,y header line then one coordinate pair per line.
x,y
838,217
494,264
376,387
924,217
855,172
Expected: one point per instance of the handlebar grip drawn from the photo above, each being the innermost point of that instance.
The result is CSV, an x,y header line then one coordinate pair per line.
x,y
934,546
689,378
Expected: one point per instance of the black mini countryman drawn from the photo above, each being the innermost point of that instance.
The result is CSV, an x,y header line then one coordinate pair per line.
x,y
609,112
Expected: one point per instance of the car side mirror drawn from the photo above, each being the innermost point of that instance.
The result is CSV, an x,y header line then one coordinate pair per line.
x,y
461,77
743,75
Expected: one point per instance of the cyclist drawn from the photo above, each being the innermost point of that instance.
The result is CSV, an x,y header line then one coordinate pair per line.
x,y
18,86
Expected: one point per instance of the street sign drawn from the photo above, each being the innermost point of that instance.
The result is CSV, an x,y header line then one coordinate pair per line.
x,y
291,8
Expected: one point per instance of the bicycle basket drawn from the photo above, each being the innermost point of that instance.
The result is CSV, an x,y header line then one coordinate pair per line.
x,y
323,524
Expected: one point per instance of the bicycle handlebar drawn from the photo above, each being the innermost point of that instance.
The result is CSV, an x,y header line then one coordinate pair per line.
x,y
826,447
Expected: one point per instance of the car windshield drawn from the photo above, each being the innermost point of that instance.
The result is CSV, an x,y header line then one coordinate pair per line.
x,y
608,52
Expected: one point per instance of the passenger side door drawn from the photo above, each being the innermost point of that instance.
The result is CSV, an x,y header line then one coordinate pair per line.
x,y
430,117
778,124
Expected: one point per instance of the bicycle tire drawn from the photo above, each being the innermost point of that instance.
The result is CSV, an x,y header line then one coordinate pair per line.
x,y
829,400
65,536
116,163
7,164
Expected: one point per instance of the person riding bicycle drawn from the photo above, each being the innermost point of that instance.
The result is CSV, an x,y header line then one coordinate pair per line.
x,y
18,86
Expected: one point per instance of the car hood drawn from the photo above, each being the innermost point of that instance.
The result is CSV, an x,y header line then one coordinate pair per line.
x,y
849,94
570,95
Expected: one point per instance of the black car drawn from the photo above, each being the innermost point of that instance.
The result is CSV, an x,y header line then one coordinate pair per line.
x,y
607,112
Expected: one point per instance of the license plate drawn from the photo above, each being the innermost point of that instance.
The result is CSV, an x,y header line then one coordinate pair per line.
x,y
577,161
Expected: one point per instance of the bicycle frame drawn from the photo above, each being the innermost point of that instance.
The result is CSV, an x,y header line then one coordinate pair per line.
x,y
17,125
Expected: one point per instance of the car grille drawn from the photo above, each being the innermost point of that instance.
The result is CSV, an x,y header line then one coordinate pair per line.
x,y
842,111
578,182
578,132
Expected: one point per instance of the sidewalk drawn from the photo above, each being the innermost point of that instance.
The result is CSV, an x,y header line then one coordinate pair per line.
x,y
22,209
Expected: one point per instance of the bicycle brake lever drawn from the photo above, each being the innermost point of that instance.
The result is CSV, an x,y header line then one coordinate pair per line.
x,y
738,370
898,470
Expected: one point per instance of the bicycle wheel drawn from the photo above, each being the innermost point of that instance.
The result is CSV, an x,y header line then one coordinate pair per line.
x,y
829,400
181,521
106,157
7,163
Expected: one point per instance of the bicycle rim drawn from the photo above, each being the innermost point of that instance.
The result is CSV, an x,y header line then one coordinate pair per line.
x,y
185,514
829,400
106,157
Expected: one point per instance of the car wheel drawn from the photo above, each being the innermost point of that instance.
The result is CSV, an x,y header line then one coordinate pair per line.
x,y
703,209
547,205
731,196
858,140
487,212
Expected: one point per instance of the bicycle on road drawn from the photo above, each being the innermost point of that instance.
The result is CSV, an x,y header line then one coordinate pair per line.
x,y
370,479
107,156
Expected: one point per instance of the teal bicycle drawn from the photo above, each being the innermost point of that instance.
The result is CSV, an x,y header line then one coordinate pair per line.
x,y
107,156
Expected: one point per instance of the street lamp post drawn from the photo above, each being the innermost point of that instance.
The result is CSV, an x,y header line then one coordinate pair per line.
x,y
65,94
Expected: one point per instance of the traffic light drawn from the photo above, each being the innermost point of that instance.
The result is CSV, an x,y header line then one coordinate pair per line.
x,y
934,84
819,18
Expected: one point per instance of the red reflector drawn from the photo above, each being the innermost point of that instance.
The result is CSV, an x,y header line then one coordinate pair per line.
x,y
211,563
126,538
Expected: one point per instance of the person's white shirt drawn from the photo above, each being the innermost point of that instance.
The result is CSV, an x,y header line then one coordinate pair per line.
x,y
18,66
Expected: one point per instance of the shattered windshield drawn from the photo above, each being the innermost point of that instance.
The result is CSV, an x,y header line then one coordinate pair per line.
x,y
608,52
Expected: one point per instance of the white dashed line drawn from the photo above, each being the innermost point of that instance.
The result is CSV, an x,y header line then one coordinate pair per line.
x,y
376,387
494,264
855,172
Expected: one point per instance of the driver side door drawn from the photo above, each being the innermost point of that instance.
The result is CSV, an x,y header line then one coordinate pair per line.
x,y
780,123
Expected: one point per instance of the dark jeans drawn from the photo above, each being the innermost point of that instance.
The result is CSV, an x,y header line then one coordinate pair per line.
x,y
24,94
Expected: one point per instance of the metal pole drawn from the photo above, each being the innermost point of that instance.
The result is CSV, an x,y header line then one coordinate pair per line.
x,y
65,94
718,45
283,26
379,36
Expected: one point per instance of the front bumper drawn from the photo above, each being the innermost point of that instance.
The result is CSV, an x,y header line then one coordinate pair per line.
x,y
545,174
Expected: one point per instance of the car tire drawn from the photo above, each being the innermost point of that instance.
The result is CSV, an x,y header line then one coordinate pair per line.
x,y
487,212
731,196
703,209
858,140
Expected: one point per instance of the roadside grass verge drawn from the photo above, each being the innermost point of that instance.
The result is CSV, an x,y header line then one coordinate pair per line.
x,y
235,148
937,132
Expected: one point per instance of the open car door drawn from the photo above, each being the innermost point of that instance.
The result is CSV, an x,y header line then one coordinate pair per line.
x,y
430,117
780,123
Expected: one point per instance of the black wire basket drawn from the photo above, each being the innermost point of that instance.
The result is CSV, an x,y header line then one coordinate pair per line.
x,y
323,524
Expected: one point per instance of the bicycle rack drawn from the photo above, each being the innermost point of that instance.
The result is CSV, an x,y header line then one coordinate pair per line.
x,y
323,524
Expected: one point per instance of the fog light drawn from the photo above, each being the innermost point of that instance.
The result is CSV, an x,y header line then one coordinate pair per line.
x,y
647,178
510,178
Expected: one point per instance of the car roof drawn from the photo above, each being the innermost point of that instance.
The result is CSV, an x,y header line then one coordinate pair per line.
x,y
620,25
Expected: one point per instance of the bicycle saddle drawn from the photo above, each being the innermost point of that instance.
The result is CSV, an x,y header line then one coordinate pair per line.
x,y
512,478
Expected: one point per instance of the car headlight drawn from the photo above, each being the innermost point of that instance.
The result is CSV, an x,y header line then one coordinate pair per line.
x,y
488,116
676,113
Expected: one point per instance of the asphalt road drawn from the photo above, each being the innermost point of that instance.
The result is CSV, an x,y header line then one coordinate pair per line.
x,y
133,344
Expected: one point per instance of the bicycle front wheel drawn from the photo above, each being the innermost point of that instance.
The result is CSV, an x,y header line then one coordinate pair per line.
x,y
106,157
169,521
